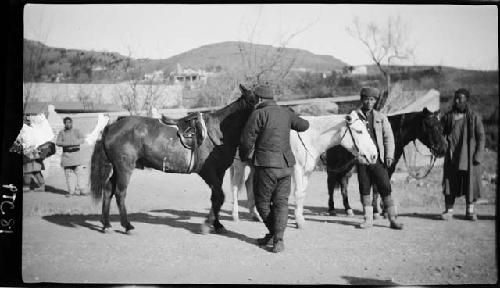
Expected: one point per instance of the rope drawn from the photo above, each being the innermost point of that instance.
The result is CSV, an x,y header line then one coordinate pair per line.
x,y
305,147
432,161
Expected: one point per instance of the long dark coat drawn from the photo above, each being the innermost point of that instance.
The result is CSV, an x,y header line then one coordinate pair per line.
x,y
475,142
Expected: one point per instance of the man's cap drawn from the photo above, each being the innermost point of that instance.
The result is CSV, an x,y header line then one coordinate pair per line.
x,y
462,91
369,92
264,91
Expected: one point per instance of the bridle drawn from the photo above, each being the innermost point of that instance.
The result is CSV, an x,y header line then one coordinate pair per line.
x,y
355,154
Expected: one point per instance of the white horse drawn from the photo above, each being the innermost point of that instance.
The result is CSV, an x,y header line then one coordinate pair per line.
x,y
324,132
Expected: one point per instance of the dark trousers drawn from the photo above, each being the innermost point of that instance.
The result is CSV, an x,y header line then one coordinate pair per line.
x,y
272,189
33,177
458,187
374,174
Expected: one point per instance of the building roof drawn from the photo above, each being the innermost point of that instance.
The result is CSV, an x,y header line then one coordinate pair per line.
x,y
66,107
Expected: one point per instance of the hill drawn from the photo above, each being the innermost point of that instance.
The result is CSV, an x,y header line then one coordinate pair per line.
x,y
73,65
227,55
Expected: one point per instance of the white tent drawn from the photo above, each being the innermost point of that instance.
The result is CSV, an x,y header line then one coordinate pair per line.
x,y
399,101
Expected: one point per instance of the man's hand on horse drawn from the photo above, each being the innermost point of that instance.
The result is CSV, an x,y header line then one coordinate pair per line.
x,y
388,162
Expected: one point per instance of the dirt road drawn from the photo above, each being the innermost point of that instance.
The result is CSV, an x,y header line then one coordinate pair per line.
x,y
61,241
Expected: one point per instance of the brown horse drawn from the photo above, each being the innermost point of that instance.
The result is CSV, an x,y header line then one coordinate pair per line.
x,y
424,126
136,141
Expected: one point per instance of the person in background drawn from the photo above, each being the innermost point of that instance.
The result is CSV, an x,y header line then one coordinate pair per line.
x,y
265,141
381,133
71,160
32,168
464,133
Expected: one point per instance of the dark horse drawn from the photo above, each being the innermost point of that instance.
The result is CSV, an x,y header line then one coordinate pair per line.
x,y
136,141
424,126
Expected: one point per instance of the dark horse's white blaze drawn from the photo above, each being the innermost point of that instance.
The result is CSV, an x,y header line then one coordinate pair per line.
x,y
145,142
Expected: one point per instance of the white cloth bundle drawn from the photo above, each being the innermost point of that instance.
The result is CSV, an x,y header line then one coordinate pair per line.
x,y
36,134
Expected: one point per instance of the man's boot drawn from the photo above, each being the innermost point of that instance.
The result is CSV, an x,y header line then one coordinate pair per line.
x,y
368,217
278,246
266,240
469,214
449,201
391,212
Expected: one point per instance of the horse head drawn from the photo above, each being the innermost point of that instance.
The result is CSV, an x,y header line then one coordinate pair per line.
x,y
248,96
431,132
357,140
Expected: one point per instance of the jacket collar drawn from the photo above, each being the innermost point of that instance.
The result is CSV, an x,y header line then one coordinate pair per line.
x,y
376,114
266,103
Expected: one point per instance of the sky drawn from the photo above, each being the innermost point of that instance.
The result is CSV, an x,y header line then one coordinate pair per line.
x,y
464,36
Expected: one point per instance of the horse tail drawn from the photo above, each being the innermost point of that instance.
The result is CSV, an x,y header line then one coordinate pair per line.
x,y
100,170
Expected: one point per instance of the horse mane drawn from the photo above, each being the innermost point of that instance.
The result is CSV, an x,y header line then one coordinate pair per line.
x,y
229,109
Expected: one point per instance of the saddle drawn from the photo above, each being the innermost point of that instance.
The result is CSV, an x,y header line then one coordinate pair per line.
x,y
191,129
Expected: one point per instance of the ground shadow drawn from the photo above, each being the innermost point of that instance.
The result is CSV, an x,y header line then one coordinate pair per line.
x,y
178,220
55,190
437,216
479,217
367,281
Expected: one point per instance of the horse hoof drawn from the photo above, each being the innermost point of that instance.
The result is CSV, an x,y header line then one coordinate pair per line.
x,y
106,230
349,212
204,229
300,225
236,219
220,230
332,213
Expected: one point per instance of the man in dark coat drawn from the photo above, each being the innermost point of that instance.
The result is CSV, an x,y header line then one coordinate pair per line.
x,y
265,141
376,174
464,133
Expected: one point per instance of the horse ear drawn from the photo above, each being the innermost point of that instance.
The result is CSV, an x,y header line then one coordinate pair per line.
x,y
348,118
426,111
243,89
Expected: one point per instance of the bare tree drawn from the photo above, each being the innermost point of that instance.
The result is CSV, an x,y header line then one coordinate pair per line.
x,y
128,95
85,98
384,43
153,96
265,63
219,90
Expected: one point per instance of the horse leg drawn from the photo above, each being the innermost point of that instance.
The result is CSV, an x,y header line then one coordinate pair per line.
x,y
375,203
217,201
106,201
331,189
121,191
251,197
300,194
237,178
344,182
217,198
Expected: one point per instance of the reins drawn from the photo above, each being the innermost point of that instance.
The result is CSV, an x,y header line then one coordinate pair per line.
x,y
410,171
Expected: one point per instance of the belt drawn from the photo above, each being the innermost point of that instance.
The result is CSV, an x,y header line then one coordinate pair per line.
x,y
71,148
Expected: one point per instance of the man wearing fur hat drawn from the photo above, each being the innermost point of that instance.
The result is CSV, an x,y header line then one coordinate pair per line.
x,y
464,133
265,141
376,174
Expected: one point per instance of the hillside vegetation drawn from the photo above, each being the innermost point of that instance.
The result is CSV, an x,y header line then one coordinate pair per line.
x,y
77,65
